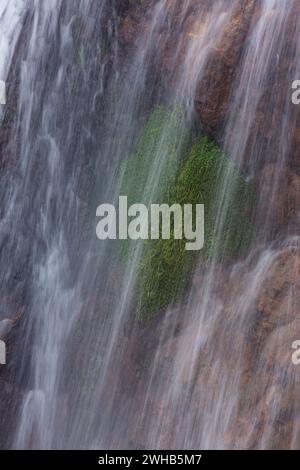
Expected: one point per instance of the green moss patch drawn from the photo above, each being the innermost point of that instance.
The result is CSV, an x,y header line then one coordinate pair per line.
x,y
164,170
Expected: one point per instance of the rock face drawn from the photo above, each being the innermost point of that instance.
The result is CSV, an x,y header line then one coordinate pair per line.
x,y
279,199
254,339
249,349
135,17
214,90
269,355
279,297
275,112
185,25
218,84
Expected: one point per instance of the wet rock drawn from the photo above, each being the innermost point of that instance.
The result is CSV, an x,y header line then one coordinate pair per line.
x,y
129,30
293,198
279,199
214,90
277,352
134,20
272,202
279,297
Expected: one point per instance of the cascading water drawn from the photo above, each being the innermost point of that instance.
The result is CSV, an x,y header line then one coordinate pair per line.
x,y
214,350
11,15
55,205
81,110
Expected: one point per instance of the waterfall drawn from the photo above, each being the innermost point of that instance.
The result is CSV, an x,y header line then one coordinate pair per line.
x,y
11,16
207,371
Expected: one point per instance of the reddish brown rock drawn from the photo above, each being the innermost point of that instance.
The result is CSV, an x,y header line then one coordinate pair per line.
x,y
272,195
214,90
279,297
293,197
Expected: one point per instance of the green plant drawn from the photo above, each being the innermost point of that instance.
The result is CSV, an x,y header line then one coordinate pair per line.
x,y
159,148
149,175
202,175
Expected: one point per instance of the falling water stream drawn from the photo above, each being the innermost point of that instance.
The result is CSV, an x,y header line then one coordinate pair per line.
x,y
81,109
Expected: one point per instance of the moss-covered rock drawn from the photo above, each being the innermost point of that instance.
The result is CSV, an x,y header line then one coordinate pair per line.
x,y
163,171
149,175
